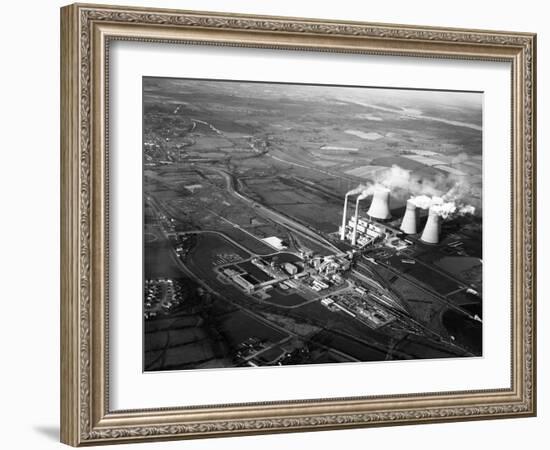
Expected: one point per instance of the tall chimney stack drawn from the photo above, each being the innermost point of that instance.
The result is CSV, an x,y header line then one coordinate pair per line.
x,y
430,234
354,237
362,196
380,205
344,217
410,219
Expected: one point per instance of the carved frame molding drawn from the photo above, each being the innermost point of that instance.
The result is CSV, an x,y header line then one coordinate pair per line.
x,y
86,32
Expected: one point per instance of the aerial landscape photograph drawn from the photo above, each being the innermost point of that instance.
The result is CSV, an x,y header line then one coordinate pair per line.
x,y
295,224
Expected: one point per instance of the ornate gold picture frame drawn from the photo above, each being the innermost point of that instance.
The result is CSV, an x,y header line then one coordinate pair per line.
x,y
86,34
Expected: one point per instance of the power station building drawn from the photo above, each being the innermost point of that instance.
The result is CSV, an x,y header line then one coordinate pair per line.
x,y
362,230
290,268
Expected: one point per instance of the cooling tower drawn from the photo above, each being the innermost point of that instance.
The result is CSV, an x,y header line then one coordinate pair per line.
x,y
410,219
380,205
431,230
344,217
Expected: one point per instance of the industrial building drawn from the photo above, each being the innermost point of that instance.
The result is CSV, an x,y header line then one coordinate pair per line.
x,y
362,230
242,282
290,268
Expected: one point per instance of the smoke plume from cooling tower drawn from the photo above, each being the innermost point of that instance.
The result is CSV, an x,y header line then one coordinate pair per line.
x,y
451,194
468,209
404,183
421,201
441,206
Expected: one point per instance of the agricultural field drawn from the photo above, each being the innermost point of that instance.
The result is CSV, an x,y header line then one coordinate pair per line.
x,y
235,172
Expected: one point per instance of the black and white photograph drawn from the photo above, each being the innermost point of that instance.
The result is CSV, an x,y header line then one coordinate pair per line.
x,y
291,224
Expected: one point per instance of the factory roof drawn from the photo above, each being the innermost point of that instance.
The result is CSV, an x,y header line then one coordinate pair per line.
x,y
274,242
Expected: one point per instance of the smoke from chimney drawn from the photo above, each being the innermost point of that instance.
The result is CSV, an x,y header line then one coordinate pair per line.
x,y
357,190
